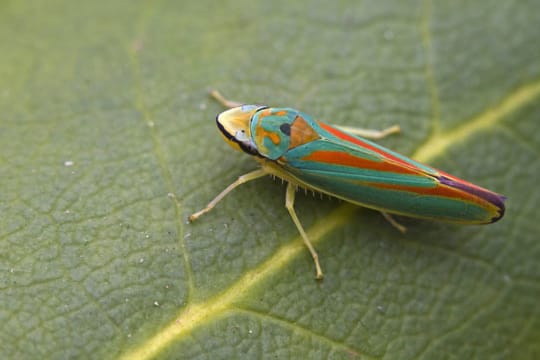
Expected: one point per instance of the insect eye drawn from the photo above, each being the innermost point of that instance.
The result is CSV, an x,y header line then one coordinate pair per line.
x,y
241,135
285,128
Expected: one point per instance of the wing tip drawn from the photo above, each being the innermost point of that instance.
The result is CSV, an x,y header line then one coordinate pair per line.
x,y
501,208
495,199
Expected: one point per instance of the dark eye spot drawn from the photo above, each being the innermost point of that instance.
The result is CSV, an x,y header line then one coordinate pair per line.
x,y
285,128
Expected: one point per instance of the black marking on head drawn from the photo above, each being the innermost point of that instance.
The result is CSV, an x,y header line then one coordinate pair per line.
x,y
223,131
285,128
245,146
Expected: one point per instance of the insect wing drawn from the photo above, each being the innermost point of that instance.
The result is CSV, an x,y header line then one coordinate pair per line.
x,y
362,172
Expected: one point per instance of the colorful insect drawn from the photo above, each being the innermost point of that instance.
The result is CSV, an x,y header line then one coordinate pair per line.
x,y
336,161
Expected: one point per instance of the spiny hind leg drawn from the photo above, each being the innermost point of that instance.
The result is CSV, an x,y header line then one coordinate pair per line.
x,y
402,229
370,134
289,204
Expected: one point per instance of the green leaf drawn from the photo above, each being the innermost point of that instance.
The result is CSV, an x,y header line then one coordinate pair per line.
x,y
108,143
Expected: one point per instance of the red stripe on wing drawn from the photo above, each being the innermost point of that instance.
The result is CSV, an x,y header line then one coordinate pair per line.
x,y
353,139
345,159
483,198
439,190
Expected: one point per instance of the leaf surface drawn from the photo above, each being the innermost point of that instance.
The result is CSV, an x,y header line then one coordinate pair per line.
x,y
108,143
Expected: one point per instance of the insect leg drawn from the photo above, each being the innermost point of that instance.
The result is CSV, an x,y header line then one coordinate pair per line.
x,y
223,101
241,180
394,222
370,134
289,204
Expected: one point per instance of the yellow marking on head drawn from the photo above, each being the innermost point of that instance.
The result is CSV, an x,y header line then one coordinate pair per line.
x,y
231,143
265,112
261,133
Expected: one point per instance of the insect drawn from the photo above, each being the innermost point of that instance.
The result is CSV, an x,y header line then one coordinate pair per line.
x,y
340,162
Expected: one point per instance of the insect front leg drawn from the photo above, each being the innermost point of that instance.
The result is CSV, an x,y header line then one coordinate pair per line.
x,y
224,101
241,180
289,204
369,133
